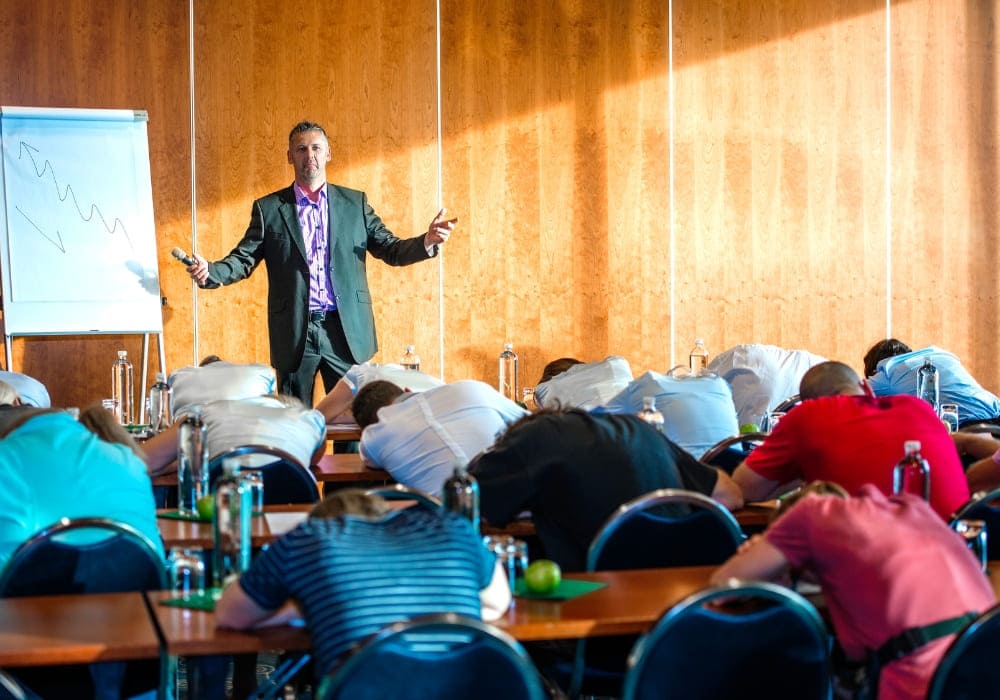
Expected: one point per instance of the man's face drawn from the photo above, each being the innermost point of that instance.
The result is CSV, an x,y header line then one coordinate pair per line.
x,y
309,153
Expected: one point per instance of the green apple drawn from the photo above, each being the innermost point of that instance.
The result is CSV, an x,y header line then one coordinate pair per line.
x,y
749,428
542,576
205,507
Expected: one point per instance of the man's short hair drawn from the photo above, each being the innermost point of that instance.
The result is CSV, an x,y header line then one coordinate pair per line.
x,y
350,502
304,126
890,347
557,367
370,398
209,360
829,379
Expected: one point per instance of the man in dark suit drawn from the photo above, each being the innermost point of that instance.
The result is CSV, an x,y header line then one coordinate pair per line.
x,y
314,239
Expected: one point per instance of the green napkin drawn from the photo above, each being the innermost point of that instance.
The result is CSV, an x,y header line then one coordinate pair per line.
x,y
200,600
567,588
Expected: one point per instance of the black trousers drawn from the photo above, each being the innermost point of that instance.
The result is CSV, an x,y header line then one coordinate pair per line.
x,y
326,353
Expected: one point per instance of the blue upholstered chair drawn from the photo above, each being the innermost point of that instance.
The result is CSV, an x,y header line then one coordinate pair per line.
x,y
727,453
667,527
87,555
749,640
969,670
285,479
435,657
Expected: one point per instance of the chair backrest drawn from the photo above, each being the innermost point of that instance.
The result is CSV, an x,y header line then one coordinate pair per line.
x,y
667,527
401,492
10,689
727,453
984,506
752,640
286,480
788,404
121,559
968,668
435,657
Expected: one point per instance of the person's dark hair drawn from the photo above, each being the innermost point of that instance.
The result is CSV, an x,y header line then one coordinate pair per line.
x,y
829,379
370,398
350,502
557,367
209,359
890,347
304,126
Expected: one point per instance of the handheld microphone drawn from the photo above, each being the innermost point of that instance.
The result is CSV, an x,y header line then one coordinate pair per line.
x,y
182,256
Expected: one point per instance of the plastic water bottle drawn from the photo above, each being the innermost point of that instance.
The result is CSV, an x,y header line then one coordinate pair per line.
x,y
192,463
461,495
507,383
231,524
123,388
650,414
927,384
698,357
410,360
912,474
160,402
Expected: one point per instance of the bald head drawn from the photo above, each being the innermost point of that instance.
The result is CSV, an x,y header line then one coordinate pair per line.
x,y
830,379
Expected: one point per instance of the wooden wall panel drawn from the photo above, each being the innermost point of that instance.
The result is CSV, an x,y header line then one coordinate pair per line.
x,y
555,116
112,54
778,166
366,72
944,180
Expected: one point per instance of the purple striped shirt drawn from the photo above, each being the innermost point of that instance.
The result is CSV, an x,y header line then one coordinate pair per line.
x,y
313,222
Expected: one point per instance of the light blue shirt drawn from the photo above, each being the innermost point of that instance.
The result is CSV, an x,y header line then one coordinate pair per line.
x,y
697,411
586,385
898,375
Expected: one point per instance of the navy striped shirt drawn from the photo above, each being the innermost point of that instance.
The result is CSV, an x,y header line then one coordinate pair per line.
x,y
352,576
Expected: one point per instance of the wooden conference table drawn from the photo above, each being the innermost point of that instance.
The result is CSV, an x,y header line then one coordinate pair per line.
x,y
38,631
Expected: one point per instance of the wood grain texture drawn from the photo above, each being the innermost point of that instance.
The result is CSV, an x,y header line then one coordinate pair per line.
x,y
114,54
556,157
944,180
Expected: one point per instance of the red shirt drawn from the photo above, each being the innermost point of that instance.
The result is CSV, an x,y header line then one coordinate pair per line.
x,y
885,565
856,440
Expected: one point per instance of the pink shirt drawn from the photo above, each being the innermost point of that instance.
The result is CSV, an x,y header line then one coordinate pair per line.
x,y
856,440
885,565
313,217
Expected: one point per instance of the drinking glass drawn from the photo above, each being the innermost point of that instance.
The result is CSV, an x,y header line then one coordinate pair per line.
x,y
949,416
974,534
187,570
528,397
112,405
254,478
772,420
511,553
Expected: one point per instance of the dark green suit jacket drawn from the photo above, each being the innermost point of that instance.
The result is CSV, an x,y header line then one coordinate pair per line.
x,y
275,237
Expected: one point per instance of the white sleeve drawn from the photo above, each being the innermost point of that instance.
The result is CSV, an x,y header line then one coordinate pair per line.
x,y
495,598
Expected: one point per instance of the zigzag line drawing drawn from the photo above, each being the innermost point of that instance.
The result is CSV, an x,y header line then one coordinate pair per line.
x,y
63,194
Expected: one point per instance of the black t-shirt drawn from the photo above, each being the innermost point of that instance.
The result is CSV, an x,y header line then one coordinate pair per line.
x,y
573,469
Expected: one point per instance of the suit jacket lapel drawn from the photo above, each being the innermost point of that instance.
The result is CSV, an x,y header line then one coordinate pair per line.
x,y
289,214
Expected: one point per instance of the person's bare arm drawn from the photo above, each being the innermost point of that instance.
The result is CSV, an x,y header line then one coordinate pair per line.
x,y
757,560
161,451
237,610
727,492
336,405
976,445
983,475
754,486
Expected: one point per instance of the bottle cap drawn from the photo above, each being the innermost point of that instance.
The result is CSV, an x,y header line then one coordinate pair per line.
x,y
160,377
508,346
409,348
698,341
122,354
912,445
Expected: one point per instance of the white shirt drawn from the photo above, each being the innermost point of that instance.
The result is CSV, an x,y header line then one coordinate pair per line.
x,y
409,379
263,420
220,380
762,376
586,385
31,391
697,411
419,440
